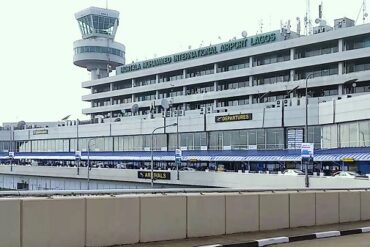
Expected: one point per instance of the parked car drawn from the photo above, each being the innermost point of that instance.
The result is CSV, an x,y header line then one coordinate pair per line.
x,y
187,169
293,172
346,174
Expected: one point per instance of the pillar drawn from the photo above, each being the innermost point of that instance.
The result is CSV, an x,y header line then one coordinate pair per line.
x,y
340,45
292,72
292,52
340,68
251,81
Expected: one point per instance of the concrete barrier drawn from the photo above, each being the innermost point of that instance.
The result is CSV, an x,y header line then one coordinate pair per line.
x,y
349,206
162,217
206,215
10,221
242,211
327,208
302,209
126,219
274,211
112,220
365,205
53,222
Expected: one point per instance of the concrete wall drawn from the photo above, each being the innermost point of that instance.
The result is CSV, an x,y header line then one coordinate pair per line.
x,y
191,178
127,219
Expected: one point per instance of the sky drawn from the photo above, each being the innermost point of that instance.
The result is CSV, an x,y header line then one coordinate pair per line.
x,y
40,83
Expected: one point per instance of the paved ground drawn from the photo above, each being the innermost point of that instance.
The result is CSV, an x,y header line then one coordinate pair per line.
x,y
245,237
359,240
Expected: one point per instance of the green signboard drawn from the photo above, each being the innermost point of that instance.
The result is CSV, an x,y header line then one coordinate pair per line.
x,y
202,52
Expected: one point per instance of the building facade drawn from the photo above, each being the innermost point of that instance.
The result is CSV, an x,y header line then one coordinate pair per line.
x,y
238,102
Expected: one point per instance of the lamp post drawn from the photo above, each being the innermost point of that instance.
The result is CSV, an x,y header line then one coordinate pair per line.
x,y
307,182
88,163
177,143
151,151
77,146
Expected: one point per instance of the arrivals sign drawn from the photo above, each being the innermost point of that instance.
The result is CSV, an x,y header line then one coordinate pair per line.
x,y
307,150
235,117
156,175
201,52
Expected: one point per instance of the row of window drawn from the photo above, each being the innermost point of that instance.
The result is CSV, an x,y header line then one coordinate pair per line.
x,y
355,134
95,24
216,140
99,49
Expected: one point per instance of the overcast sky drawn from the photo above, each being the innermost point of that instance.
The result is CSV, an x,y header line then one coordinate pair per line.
x,y
39,81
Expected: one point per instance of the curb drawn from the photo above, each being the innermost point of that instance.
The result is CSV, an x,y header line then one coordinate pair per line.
x,y
280,240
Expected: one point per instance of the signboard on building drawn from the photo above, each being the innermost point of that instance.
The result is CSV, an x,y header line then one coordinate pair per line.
x,y
203,52
307,150
156,175
40,132
235,117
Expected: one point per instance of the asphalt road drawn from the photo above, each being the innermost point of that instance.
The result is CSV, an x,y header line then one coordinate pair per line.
x,y
358,240
352,240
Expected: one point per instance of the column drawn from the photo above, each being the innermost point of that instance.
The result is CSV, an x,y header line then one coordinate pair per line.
x,y
292,72
214,103
111,86
250,62
292,52
133,98
156,94
340,68
184,73
184,90
340,45
215,68
250,99
251,81
215,86
133,83
340,89
157,78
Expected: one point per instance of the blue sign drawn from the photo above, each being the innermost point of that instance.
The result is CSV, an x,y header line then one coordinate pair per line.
x,y
307,150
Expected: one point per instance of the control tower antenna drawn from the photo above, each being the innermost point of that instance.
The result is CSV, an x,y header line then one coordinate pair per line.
x,y
97,51
307,19
106,4
364,12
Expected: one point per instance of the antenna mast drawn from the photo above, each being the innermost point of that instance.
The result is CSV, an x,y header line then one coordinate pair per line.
x,y
364,12
307,19
106,4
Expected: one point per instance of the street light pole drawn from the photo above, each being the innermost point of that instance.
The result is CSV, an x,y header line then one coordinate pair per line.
x,y
177,143
307,182
88,164
151,152
78,146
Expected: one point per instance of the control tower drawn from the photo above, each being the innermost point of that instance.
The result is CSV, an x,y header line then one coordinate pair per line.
x,y
97,51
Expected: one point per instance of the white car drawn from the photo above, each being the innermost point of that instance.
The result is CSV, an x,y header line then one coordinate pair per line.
x,y
346,175
293,172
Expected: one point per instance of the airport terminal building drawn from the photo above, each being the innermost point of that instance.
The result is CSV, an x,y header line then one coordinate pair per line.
x,y
240,103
